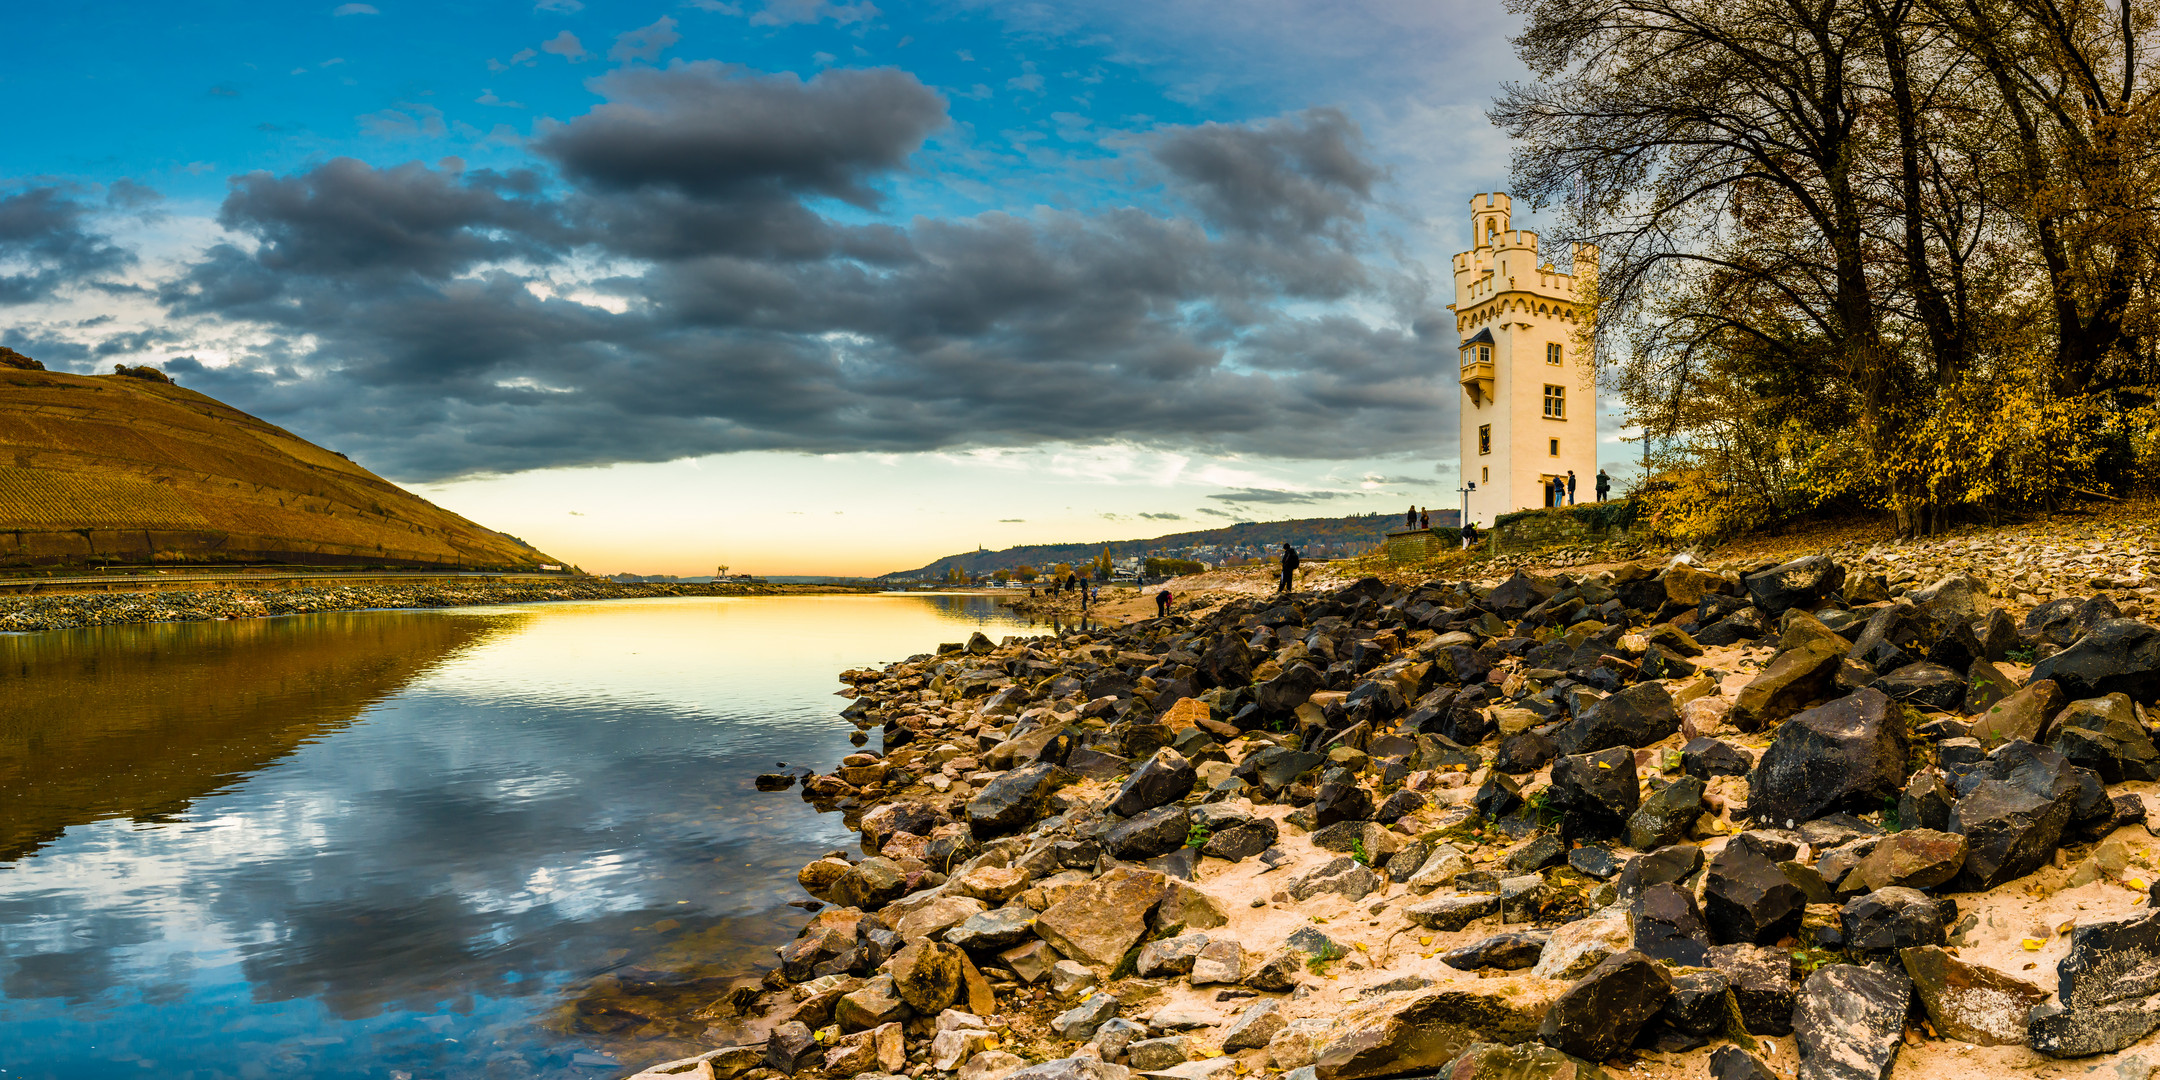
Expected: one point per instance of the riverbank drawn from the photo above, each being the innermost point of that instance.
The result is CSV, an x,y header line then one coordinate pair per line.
x,y
62,611
1544,822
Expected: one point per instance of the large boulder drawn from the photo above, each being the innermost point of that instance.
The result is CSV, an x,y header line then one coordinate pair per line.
x,y
1890,920
2108,989
1969,1002
2012,813
1748,899
1761,980
1666,815
1801,583
1595,793
1916,858
1791,680
1164,778
1514,598
929,976
2118,656
1508,952
1847,754
1155,832
2027,714
1896,635
1637,716
1013,800
1098,922
1668,926
1924,685
1228,662
1282,694
1849,1022
2104,735
1600,1014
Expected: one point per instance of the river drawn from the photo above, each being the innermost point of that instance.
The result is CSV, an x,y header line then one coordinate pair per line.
x,y
399,844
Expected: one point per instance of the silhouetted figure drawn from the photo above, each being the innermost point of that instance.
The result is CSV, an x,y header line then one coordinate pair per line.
x,y
1409,520
1289,566
1571,487
1424,519
1469,535
1604,485
1162,604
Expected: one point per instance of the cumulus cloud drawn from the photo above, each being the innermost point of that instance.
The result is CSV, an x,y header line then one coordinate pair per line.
x,y
645,42
439,323
795,12
343,10
565,45
49,240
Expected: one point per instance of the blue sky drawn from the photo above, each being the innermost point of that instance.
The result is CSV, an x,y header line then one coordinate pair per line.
x,y
659,285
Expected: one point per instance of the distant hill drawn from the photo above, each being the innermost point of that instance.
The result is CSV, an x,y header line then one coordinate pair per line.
x,y
133,469
1313,537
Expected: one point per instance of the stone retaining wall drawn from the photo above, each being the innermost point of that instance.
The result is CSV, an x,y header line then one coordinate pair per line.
x,y
1556,525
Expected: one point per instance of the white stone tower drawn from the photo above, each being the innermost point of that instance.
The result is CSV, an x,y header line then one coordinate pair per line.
x,y
1529,403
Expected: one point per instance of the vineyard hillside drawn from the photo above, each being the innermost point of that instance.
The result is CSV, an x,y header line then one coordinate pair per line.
x,y
123,469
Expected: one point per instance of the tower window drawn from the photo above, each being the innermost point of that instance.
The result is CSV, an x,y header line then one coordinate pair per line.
x,y
1486,473
1552,353
1555,447
1484,439
1556,401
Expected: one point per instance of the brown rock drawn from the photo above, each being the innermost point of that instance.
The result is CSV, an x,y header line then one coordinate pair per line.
x,y
1968,1002
1097,922
1421,1030
879,1049
819,877
928,976
993,885
1916,858
1790,681
2027,715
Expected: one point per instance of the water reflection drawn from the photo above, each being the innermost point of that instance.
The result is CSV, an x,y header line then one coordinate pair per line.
x,y
341,845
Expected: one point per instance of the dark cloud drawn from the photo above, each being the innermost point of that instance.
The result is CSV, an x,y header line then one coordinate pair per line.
x,y
1276,495
1284,180
1212,512
48,241
419,317
1164,517
715,132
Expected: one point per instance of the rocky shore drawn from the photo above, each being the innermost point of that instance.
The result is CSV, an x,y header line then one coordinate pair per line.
x,y
61,611
1818,818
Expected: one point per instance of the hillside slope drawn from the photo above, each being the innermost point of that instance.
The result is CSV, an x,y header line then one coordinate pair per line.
x,y
109,468
1339,535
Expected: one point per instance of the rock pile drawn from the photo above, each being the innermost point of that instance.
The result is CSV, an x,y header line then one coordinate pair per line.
x,y
1499,829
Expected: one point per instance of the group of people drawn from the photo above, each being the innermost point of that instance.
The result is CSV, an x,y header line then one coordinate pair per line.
x,y
1562,491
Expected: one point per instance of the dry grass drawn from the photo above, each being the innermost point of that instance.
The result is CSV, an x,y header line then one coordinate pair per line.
x,y
106,467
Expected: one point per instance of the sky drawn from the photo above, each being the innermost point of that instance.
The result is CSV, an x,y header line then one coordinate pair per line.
x,y
791,286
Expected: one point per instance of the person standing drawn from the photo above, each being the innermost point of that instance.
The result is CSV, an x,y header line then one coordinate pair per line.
x,y
1289,566
1409,519
1424,518
1571,487
1604,485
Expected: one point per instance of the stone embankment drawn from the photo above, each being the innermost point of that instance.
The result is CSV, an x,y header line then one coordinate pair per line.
x,y
67,610
1678,820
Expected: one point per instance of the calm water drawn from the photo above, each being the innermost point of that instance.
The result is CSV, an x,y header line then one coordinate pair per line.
x,y
397,844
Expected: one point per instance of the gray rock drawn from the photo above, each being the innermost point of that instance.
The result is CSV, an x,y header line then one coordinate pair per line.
x,y
1254,1027
1149,1054
1079,1022
1527,1061
1849,1021
1452,913
1600,1014
1707,759
1747,899
995,930
1968,1002
2062,1032
1239,842
1698,1004
2116,656
1595,793
2104,735
1733,1063
1164,778
1668,926
1761,979
1014,799
1637,716
1848,754
1666,816
1220,961
1154,832
2013,814
1508,952
1345,877
1801,583
1924,685
1169,957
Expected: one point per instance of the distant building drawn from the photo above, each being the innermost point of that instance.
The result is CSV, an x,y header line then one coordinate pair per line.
x,y
1529,407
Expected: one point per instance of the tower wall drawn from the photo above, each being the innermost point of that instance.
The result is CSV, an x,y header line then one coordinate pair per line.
x,y
1503,288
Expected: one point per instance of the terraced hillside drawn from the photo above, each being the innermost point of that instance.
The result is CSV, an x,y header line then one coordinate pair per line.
x,y
112,468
